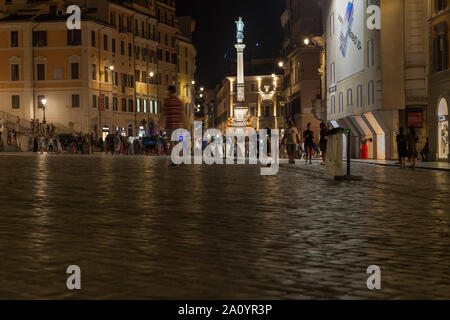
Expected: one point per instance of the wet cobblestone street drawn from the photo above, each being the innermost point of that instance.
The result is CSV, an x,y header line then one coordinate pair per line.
x,y
139,229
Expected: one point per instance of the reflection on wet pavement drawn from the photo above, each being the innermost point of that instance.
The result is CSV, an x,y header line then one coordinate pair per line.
x,y
139,229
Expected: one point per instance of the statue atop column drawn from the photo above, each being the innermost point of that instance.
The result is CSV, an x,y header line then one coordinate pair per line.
x,y
240,30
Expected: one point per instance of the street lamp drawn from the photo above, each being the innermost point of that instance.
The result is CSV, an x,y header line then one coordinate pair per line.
x,y
306,41
44,102
193,82
281,64
151,74
201,89
111,68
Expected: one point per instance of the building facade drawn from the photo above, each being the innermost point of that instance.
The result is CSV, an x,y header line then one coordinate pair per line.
x,y
110,76
376,78
301,22
264,94
438,78
186,67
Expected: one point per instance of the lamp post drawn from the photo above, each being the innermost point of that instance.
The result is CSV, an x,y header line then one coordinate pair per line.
x,y
44,102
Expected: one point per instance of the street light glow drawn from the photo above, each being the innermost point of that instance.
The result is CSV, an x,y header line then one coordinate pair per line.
x,y
306,41
111,68
201,89
193,82
44,101
151,74
281,64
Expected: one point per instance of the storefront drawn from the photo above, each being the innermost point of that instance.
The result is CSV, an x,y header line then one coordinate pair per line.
x,y
442,130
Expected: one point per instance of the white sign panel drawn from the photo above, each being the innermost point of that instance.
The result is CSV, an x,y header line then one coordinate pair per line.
x,y
350,25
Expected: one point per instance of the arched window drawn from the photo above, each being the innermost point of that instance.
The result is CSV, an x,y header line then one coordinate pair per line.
x,y
341,102
359,96
370,93
349,97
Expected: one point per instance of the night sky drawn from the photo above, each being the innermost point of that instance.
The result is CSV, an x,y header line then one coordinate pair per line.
x,y
215,33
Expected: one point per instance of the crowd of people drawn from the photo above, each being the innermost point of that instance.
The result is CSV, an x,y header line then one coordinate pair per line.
x,y
304,145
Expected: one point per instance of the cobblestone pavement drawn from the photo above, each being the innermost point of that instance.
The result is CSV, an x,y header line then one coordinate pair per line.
x,y
139,229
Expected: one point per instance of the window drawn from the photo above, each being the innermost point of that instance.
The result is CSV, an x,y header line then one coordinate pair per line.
x,y
94,101
39,38
341,101
137,75
138,105
130,50
75,101
40,68
75,70
124,105
370,61
130,81
113,45
252,87
151,106
15,72
94,71
73,37
130,105
14,39
107,103
145,105
370,91
106,75
167,42
187,67
15,101
144,77
114,103
333,78
115,77
333,104
122,48
167,56
105,42
439,5
349,97
39,101
359,96
93,38
440,46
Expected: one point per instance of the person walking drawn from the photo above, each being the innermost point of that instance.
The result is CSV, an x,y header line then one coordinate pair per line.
x,y
323,141
309,143
411,146
425,150
401,148
292,139
173,116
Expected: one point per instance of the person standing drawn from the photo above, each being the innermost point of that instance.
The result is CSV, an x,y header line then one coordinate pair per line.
x,y
364,154
401,148
309,142
323,141
292,139
173,115
411,145
425,151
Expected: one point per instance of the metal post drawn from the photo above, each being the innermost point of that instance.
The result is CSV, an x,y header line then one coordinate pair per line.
x,y
348,152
